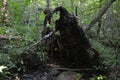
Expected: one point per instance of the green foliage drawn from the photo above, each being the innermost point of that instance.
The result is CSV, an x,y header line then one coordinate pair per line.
x,y
107,53
3,75
0,11
2,30
4,59
111,28
100,77
10,52
27,22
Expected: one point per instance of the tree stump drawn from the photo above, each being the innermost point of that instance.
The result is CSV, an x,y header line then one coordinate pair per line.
x,y
68,46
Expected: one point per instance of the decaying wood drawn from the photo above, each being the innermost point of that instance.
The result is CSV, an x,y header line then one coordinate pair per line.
x,y
68,45
47,21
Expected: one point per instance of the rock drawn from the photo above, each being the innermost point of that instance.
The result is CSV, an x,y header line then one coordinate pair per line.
x,y
69,75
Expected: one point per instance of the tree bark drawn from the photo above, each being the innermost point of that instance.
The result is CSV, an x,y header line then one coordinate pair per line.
x,y
100,14
100,20
48,3
72,6
4,8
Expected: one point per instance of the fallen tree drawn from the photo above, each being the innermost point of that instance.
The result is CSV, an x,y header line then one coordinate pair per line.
x,y
68,45
68,49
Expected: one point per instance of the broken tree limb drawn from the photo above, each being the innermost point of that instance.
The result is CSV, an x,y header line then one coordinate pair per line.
x,y
100,14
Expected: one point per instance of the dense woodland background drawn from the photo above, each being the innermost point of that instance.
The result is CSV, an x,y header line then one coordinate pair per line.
x,y
21,24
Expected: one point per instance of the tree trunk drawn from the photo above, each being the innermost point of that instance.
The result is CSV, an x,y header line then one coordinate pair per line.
x,y
48,3
100,20
4,12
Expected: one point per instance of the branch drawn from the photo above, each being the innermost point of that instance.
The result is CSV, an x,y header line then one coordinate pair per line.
x,y
8,37
100,14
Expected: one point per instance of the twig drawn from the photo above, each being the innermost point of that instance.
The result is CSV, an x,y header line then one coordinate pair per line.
x,y
44,38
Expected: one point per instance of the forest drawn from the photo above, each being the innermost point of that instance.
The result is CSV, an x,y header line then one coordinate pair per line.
x,y
59,39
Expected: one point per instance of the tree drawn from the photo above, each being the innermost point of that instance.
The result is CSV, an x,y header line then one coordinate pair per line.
x,y
100,14
4,18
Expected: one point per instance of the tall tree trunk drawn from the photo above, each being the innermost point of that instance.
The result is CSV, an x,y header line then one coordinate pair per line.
x,y
100,14
47,19
72,6
99,25
100,20
48,3
4,18
76,10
